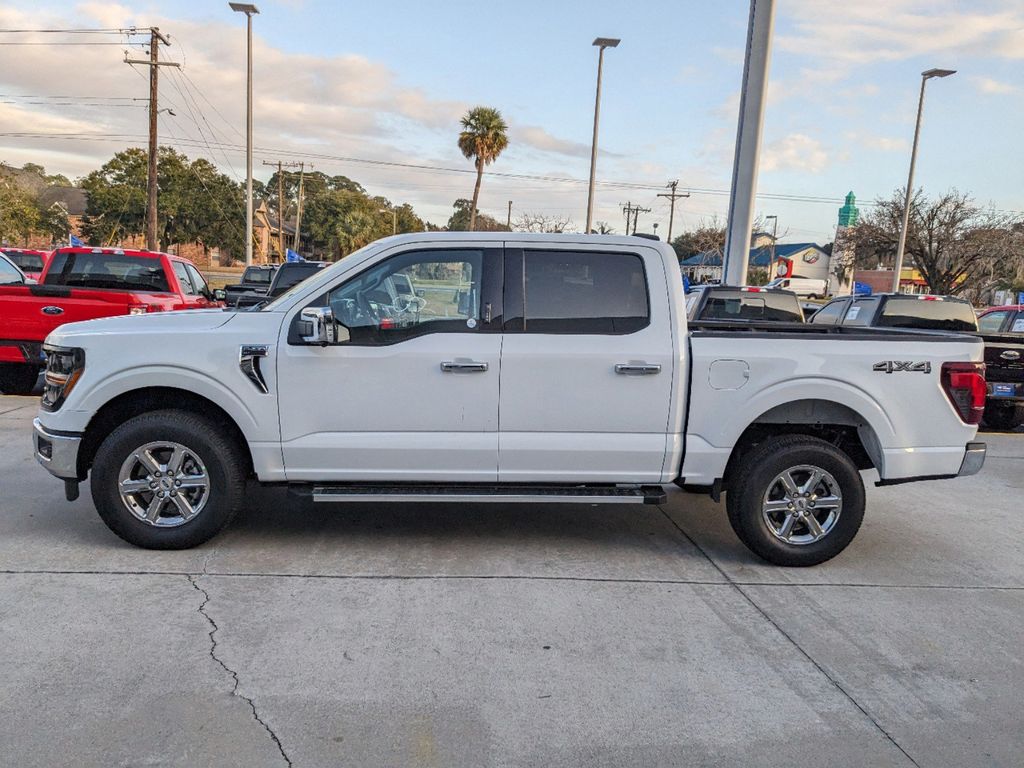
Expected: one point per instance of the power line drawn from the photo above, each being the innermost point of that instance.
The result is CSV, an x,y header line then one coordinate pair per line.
x,y
78,31
673,196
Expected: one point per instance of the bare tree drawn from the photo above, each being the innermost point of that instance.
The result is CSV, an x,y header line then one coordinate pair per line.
x,y
541,222
954,244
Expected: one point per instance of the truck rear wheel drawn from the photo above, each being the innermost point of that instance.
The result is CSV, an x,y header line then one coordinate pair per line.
x,y
168,480
18,378
795,500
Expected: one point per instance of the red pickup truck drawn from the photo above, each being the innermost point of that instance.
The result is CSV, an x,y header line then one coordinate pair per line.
x,y
81,283
28,260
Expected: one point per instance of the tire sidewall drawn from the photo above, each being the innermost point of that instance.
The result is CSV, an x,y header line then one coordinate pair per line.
x,y
762,467
200,437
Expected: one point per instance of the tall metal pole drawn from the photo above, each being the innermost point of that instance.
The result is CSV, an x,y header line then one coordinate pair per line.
x,y
248,141
753,94
601,43
151,186
298,207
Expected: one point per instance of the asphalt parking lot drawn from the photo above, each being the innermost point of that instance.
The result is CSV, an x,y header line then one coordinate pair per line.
x,y
426,635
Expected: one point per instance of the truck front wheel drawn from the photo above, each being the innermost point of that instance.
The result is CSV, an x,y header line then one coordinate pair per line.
x,y
18,378
795,500
168,480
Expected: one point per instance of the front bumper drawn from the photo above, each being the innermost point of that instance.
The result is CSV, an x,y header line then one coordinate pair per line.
x,y
57,452
974,459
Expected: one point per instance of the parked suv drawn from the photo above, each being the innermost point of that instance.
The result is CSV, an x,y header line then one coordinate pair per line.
x,y
899,310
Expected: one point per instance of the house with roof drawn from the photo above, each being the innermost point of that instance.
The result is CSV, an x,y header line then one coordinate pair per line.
x,y
808,259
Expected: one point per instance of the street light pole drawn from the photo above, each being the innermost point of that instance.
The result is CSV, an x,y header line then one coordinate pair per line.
x,y
601,43
775,231
927,75
249,10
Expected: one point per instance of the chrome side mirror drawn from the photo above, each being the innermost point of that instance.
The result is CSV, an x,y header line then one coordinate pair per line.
x,y
319,322
219,294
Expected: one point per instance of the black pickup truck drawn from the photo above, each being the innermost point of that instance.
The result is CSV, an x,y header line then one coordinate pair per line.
x,y
286,275
1002,328
253,287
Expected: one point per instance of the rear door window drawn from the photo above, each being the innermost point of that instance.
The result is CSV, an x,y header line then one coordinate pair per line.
x,y
183,278
993,321
830,314
584,292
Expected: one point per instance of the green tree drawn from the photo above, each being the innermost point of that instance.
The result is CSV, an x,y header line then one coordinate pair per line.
x,y
460,219
195,202
484,136
341,221
19,215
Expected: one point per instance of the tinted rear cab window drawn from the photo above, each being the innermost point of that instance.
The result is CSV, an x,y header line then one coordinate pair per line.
x,y
769,306
29,262
108,271
584,292
941,315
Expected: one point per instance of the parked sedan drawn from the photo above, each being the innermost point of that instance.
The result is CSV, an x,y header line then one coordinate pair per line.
x,y
899,310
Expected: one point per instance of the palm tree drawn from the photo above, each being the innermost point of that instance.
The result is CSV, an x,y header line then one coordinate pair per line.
x,y
484,135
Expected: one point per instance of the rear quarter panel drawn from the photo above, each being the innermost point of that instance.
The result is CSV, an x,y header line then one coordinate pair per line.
x,y
909,416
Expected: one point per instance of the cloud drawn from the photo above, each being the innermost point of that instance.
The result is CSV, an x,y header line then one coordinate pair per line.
x,y
539,138
880,143
870,31
990,86
795,152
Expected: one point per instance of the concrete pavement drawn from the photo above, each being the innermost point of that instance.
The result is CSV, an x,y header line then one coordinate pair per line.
x,y
470,636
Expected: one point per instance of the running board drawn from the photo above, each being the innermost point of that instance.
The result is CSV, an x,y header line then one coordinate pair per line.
x,y
505,494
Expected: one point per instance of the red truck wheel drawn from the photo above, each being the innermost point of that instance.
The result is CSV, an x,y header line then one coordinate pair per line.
x,y
18,378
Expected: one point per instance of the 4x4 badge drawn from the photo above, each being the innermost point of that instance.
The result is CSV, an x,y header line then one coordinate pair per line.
x,y
896,366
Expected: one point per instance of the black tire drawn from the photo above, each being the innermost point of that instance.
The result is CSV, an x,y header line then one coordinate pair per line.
x,y
18,378
1003,417
753,477
208,441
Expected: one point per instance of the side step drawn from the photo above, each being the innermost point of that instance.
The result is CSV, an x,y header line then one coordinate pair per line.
x,y
505,494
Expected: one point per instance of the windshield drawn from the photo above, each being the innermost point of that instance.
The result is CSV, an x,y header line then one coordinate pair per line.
x,y
29,262
110,271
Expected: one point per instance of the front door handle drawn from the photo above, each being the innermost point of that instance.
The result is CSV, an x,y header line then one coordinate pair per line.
x,y
638,369
463,366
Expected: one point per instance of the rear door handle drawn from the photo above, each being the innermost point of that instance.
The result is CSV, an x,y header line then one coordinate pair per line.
x,y
638,369
463,366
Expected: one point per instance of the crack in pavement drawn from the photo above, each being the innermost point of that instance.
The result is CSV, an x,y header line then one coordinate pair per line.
x,y
792,641
234,675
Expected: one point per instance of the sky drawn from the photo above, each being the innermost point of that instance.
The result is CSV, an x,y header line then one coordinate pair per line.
x,y
374,91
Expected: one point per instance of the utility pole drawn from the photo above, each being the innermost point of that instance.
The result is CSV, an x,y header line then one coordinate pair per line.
x,y
672,196
508,221
280,204
635,210
298,207
154,64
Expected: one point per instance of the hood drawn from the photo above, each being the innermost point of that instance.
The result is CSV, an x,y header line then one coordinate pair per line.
x,y
155,323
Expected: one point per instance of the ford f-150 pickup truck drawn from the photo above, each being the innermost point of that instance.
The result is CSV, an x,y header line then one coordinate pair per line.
x,y
1002,328
518,368
81,283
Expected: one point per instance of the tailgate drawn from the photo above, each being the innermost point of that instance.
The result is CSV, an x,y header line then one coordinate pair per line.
x,y
1004,359
33,314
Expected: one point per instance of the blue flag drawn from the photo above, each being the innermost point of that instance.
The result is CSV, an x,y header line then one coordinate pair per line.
x,y
291,255
76,242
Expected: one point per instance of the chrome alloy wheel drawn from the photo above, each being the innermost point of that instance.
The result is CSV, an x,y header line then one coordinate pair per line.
x,y
164,484
802,504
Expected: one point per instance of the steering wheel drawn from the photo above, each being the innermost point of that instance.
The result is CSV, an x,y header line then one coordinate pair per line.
x,y
403,303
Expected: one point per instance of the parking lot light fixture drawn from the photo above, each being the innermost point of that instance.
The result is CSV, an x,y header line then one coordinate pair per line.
x,y
601,43
927,75
249,10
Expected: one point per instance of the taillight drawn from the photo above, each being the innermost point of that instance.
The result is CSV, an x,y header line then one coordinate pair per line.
x,y
142,309
748,289
964,385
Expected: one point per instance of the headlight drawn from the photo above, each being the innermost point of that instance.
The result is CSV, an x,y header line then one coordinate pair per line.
x,y
64,366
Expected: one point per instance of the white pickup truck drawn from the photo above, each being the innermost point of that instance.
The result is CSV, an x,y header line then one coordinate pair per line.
x,y
505,368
